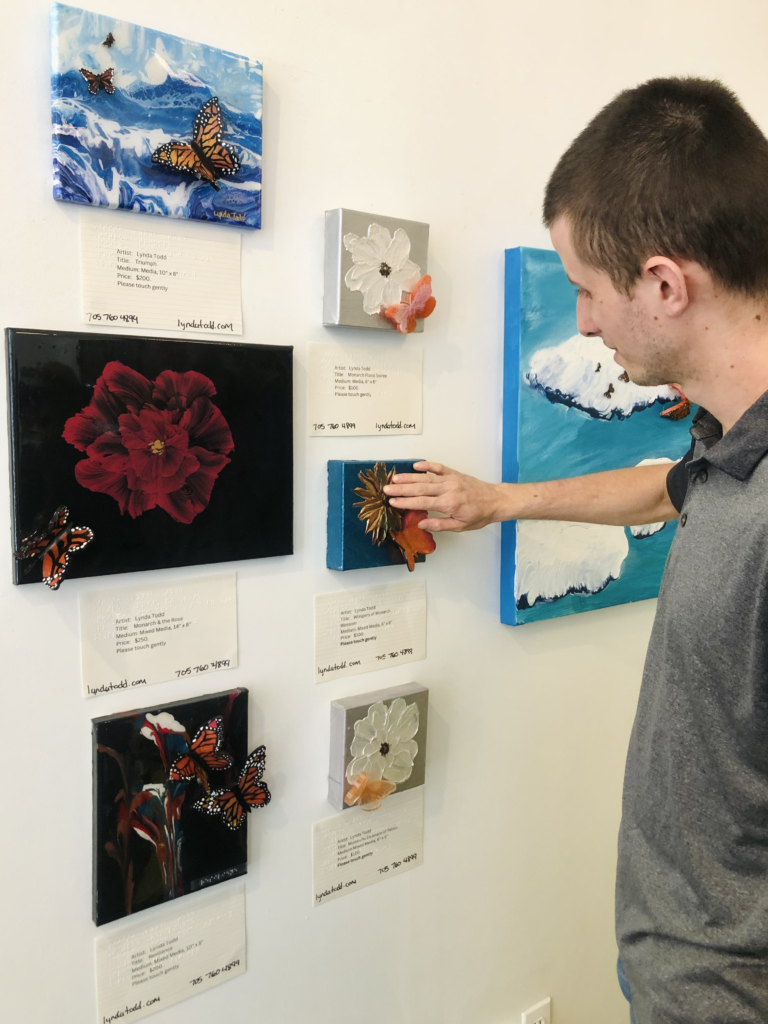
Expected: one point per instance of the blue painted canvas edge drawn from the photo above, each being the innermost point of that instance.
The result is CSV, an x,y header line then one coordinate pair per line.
x,y
335,540
510,464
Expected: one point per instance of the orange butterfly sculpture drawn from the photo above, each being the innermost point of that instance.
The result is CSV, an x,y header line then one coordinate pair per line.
x,y
205,156
249,791
419,304
54,545
412,540
368,794
681,409
202,755
96,82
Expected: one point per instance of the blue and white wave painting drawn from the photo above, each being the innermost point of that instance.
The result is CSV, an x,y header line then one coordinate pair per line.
x,y
103,144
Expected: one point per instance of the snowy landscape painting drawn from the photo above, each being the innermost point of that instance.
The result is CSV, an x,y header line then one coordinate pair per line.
x,y
148,122
569,409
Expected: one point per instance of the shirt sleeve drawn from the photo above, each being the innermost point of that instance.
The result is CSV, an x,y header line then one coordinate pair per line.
x,y
677,480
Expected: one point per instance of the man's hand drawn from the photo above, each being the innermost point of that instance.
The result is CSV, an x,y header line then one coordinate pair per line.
x,y
468,503
618,497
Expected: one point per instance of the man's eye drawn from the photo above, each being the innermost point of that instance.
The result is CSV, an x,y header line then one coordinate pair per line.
x,y
583,293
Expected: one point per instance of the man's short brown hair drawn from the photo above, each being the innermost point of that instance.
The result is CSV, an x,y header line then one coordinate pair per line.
x,y
675,167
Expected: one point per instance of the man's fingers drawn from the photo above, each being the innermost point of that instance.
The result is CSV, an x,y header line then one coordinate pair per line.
x,y
422,503
409,478
409,490
430,467
435,525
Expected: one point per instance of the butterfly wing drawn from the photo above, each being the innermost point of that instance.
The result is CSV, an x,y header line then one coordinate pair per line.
x,y
106,80
368,794
56,556
182,767
422,300
180,156
206,745
419,305
225,803
207,133
94,82
252,789
36,543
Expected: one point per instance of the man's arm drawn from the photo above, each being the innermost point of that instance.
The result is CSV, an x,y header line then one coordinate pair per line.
x,y
621,497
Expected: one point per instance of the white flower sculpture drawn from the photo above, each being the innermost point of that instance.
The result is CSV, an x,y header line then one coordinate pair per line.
x,y
384,747
382,270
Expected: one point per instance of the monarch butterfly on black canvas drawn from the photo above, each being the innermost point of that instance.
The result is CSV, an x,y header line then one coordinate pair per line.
x,y
202,756
54,545
232,804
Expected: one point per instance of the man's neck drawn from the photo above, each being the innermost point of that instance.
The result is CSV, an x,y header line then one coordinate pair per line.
x,y
730,366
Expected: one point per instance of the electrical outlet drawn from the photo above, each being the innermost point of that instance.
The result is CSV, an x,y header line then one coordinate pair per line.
x,y
541,1013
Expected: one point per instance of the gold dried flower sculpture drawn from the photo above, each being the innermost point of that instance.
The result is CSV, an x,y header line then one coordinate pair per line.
x,y
375,511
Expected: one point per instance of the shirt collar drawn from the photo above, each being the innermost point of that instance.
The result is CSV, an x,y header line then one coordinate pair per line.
x,y
739,451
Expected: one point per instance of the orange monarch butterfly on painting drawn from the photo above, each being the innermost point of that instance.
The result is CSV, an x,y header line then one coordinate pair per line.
x,y
202,756
54,545
232,804
96,82
205,156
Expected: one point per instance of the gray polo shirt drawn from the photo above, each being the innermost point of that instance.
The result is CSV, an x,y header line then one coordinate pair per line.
x,y
692,886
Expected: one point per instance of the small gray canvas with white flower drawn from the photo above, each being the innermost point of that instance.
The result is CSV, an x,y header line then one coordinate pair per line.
x,y
383,734
371,262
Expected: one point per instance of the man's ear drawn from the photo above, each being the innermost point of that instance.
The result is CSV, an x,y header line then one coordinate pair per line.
x,y
665,285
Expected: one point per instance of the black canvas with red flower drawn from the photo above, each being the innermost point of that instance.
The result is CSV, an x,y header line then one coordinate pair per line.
x,y
166,450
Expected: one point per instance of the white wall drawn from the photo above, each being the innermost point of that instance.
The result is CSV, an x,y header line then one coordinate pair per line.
x,y
438,110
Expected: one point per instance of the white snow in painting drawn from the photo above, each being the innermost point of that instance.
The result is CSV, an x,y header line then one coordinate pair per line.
x,y
648,529
581,372
556,558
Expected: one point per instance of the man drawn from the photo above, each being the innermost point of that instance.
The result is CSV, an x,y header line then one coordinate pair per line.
x,y
659,210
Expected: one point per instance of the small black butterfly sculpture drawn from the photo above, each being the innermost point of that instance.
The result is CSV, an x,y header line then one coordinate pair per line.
x,y
96,82
109,40
54,545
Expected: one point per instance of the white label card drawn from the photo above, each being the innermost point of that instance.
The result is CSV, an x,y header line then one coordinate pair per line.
x,y
356,389
138,277
371,628
185,949
358,848
133,636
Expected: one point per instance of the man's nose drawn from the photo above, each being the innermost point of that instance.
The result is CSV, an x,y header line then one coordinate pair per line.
x,y
584,319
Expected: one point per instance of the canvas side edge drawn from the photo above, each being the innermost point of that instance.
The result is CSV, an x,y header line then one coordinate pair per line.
x,y
510,465
332,269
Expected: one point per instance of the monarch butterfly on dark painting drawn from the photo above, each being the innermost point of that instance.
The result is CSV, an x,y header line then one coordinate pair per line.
x,y
96,82
232,804
202,756
205,156
54,545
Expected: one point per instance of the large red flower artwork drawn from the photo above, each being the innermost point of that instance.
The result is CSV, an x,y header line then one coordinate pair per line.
x,y
151,443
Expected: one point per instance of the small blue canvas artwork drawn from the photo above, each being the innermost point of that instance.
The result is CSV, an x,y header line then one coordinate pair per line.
x,y
569,409
349,547
152,123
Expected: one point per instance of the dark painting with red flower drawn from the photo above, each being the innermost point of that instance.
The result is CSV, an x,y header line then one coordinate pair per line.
x,y
149,844
173,452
